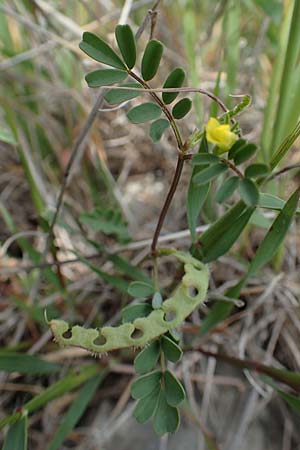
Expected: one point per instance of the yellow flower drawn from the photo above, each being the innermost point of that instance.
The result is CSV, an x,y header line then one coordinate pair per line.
x,y
220,135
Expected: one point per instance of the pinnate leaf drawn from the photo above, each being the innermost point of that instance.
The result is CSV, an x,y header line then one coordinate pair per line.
x,y
140,289
105,77
175,393
146,360
151,59
126,44
158,128
256,170
249,192
209,173
132,312
166,417
144,113
99,50
226,189
146,384
182,108
115,96
171,350
146,406
244,153
202,159
175,79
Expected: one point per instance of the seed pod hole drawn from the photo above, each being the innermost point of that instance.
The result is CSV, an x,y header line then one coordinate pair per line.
x,y
136,334
169,316
67,334
193,291
100,340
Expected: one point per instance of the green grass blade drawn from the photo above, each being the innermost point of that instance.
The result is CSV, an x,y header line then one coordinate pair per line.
x,y
285,146
76,411
17,435
67,384
272,102
27,364
275,235
232,45
264,254
289,80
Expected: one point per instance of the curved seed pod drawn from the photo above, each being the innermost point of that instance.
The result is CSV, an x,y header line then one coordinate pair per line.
x,y
126,44
188,295
175,79
182,108
151,59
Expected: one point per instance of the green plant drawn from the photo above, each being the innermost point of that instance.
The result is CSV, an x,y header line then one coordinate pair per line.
x,y
222,151
230,184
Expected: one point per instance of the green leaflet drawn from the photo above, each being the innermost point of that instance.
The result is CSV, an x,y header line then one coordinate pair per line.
x,y
151,59
175,79
182,108
126,43
99,50
144,112
105,77
188,295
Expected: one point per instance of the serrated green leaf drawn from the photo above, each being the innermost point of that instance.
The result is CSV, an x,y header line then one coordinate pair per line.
x,y
105,77
139,289
75,411
158,128
99,50
146,406
236,147
146,360
166,417
256,170
126,44
202,159
17,435
249,192
146,384
132,312
182,108
175,393
226,189
244,153
26,364
175,79
209,174
157,300
114,97
171,350
144,112
151,59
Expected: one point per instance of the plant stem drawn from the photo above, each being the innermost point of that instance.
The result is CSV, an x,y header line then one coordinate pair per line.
x,y
163,107
172,190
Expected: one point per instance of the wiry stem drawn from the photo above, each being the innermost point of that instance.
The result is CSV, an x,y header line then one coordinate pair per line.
x,y
172,190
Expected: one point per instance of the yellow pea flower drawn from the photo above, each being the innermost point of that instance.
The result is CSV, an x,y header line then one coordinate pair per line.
x,y
220,135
